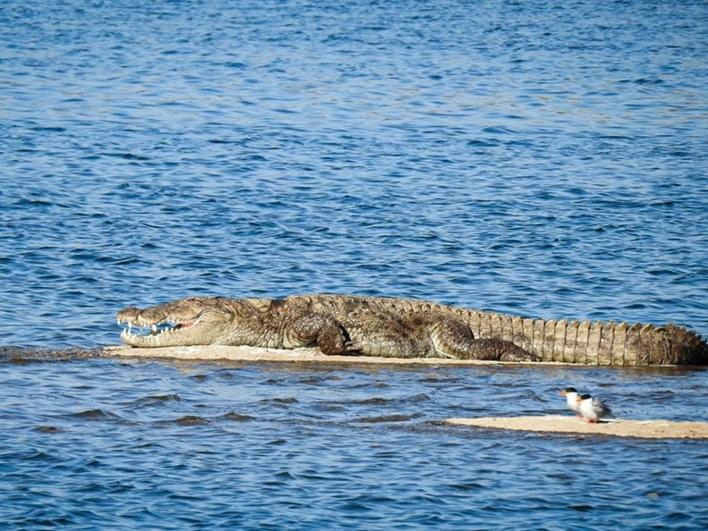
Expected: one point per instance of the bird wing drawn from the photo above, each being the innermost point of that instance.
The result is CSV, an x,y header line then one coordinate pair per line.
x,y
600,407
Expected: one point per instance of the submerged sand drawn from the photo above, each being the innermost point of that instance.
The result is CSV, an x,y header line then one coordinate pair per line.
x,y
647,429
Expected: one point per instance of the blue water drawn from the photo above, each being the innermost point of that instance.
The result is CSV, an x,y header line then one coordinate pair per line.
x,y
545,159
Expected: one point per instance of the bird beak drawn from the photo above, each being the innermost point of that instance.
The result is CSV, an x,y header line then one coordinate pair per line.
x,y
578,399
562,393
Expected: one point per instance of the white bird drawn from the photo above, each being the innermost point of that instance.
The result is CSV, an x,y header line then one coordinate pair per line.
x,y
571,398
592,409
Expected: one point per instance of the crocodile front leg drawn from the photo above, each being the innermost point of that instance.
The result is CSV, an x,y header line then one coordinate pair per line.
x,y
316,329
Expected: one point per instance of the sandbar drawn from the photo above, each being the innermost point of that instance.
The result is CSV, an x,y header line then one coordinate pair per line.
x,y
307,355
645,429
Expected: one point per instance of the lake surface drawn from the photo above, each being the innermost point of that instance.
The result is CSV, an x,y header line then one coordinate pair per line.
x,y
544,159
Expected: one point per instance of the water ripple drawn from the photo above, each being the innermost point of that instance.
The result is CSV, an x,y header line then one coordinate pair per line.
x,y
545,159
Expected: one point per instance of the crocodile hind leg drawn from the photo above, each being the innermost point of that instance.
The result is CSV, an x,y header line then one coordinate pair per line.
x,y
316,329
500,350
454,339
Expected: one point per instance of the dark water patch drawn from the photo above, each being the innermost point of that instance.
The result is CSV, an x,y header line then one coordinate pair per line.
x,y
532,396
329,406
48,429
126,261
155,400
385,418
48,129
658,394
31,203
186,498
374,401
319,379
25,355
371,385
126,156
240,142
498,130
191,420
381,401
95,414
280,401
442,379
236,417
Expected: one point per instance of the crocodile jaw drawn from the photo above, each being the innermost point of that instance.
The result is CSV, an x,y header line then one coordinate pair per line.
x,y
184,323
162,336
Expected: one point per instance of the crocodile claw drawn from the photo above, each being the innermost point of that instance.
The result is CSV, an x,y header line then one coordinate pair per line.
x,y
353,347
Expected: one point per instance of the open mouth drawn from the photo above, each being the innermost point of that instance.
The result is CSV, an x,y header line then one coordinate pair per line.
x,y
135,330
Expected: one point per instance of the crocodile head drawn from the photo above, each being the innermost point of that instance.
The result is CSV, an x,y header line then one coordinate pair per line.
x,y
191,321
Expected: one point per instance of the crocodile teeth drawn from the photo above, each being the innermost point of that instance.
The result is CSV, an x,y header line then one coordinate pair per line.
x,y
147,330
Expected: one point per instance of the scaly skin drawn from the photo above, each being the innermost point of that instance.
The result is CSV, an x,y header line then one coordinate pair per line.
x,y
403,328
336,324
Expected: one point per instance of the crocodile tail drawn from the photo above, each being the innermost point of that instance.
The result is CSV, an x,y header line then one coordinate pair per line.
x,y
671,345
602,343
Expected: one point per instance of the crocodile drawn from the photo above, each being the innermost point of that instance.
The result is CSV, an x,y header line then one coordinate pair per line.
x,y
405,328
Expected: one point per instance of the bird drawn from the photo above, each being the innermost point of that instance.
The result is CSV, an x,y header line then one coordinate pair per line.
x,y
571,396
592,409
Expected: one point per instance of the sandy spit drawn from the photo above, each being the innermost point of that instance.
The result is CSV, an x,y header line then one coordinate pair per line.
x,y
646,429
310,355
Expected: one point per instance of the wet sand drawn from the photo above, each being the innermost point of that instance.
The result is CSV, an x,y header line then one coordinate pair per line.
x,y
647,429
